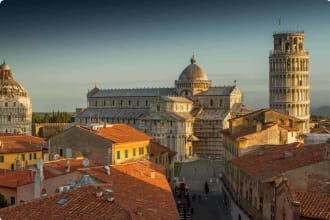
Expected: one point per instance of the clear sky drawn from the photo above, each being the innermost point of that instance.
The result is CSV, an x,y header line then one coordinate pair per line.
x,y
58,49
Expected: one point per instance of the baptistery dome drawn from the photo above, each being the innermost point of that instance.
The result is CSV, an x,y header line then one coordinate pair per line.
x,y
8,86
15,104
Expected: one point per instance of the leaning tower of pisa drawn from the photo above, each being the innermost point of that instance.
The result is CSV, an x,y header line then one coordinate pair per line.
x,y
289,76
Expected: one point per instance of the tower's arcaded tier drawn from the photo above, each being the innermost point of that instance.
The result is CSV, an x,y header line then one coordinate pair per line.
x,y
289,90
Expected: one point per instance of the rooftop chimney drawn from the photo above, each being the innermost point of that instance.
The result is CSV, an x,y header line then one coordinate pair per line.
x,y
258,126
67,166
99,192
38,179
107,170
287,154
153,174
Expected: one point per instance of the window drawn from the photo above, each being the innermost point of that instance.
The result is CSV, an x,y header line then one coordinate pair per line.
x,y
2,159
261,204
61,153
142,150
33,156
126,153
12,200
23,157
6,104
134,152
118,155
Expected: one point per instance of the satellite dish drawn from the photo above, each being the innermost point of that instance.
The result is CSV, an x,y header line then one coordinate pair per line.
x,y
85,162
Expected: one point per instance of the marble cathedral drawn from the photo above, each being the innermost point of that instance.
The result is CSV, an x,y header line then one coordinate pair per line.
x,y
187,118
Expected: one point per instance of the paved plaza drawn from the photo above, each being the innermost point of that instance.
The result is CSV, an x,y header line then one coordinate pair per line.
x,y
196,173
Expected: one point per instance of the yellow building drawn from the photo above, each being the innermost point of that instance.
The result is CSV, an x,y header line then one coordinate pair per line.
x,y
164,156
265,126
105,144
19,152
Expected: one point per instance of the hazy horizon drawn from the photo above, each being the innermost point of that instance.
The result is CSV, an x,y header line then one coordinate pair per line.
x,y
59,49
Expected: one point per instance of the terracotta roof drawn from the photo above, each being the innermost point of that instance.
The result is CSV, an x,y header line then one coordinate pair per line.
x,y
172,153
19,178
313,205
135,188
79,203
75,163
273,160
17,144
322,130
261,111
156,148
121,133
245,131
288,128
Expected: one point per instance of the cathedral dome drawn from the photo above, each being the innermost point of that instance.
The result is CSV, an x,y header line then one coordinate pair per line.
x,y
9,86
193,72
4,66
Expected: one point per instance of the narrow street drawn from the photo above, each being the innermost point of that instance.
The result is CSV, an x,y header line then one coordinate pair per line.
x,y
196,173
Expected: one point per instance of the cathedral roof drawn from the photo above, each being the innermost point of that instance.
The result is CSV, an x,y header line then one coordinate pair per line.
x,y
212,114
176,99
193,72
223,90
8,86
143,92
113,113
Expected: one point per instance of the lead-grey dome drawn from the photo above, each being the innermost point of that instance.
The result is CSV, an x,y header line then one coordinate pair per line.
x,y
193,72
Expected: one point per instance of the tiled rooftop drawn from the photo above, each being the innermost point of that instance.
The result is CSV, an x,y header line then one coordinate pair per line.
x,y
157,149
245,131
79,203
313,205
13,179
140,186
274,162
60,165
17,144
121,133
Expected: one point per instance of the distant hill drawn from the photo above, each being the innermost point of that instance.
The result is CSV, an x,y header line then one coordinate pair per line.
x,y
322,110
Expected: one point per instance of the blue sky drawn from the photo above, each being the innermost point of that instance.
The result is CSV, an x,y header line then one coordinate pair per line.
x,y
58,49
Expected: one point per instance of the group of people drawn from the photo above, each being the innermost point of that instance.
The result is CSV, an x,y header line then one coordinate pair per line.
x,y
184,200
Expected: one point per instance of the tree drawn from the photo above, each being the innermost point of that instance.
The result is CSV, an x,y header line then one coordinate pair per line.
x,y
3,201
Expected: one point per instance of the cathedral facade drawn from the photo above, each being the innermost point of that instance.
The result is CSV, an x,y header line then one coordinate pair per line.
x,y
187,118
15,105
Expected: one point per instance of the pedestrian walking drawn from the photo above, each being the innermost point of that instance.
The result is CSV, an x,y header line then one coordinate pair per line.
x,y
206,189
